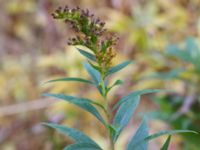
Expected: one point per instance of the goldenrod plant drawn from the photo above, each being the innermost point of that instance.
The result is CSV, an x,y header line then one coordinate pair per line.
x,y
91,33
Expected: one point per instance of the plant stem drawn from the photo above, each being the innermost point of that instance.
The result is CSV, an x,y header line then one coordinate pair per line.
x,y
109,121
108,113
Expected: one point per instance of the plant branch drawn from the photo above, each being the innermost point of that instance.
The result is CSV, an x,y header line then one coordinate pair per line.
x,y
108,112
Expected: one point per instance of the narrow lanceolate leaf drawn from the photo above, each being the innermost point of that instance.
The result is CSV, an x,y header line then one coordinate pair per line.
x,y
70,79
118,67
124,114
95,66
75,134
116,83
166,144
87,54
93,73
140,134
85,104
135,93
112,130
82,146
156,135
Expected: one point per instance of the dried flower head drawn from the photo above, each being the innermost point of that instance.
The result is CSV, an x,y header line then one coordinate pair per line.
x,y
91,33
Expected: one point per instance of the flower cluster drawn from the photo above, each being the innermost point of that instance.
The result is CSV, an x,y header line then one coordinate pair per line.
x,y
81,21
90,33
106,58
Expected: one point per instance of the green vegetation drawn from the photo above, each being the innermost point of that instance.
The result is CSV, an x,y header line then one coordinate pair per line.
x,y
92,35
160,40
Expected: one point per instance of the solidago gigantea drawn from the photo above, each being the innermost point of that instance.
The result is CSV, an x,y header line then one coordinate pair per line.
x,y
91,33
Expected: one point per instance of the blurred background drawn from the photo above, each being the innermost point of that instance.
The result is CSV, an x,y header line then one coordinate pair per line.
x,y
161,36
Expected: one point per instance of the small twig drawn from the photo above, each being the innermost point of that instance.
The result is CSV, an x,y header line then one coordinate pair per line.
x,y
25,106
189,100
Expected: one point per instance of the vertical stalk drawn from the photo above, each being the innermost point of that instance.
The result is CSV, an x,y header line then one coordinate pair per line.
x,y
112,147
108,113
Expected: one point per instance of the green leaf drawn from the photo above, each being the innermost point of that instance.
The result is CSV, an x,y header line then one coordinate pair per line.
x,y
95,66
167,75
166,144
127,106
156,135
93,73
75,134
173,50
135,93
71,79
140,134
82,146
116,83
118,67
87,54
112,130
124,114
85,104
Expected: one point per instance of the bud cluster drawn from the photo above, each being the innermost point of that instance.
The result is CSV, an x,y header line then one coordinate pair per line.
x,y
90,33
80,20
106,58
